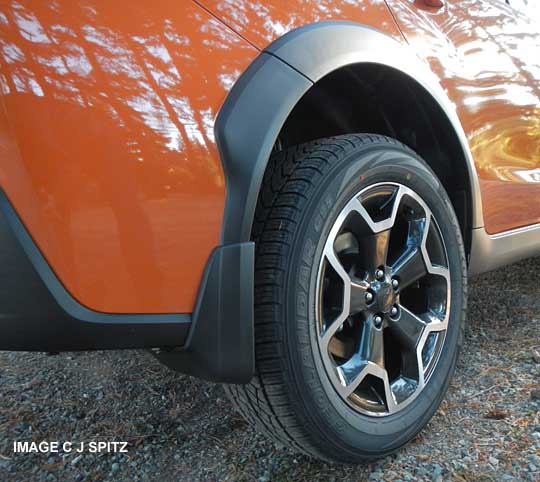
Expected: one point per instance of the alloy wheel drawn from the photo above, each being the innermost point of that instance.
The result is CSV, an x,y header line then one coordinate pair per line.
x,y
383,298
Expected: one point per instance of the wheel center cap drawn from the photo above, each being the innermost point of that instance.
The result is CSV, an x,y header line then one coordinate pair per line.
x,y
384,296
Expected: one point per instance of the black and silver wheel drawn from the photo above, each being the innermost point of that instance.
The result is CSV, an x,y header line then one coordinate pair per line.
x,y
360,298
382,309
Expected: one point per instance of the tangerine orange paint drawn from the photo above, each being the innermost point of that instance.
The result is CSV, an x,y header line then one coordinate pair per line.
x,y
486,57
110,157
107,113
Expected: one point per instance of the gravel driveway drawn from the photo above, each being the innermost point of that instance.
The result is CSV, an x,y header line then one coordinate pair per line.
x,y
179,428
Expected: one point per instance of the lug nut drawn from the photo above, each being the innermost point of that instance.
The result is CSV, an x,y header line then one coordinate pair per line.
x,y
369,297
394,311
377,321
379,274
395,283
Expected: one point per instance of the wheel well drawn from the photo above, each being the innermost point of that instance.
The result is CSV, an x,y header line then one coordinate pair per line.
x,y
371,98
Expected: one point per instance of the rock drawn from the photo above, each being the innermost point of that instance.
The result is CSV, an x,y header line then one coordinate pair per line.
x,y
265,477
22,426
536,356
115,467
76,459
376,476
421,471
497,414
532,468
493,461
535,394
535,459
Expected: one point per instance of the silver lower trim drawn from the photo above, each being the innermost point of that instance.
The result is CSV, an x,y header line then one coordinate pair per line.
x,y
489,252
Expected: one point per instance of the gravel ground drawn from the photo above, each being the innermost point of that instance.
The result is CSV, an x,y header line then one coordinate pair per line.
x,y
179,428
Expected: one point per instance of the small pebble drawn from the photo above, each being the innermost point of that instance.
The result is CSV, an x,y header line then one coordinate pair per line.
x,y
535,459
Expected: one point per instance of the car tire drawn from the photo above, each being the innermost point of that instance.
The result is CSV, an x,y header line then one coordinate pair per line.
x,y
360,298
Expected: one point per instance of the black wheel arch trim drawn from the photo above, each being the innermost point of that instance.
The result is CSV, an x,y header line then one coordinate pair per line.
x,y
258,105
246,129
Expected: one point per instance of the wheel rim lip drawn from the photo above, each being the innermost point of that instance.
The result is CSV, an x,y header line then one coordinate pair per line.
x,y
330,368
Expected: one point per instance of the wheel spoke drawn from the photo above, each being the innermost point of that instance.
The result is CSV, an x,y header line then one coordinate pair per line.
x,y
374,249
358,303
391,404
409,267
368,361
334,326
332,330
418,229
408,328
386,224
371,343
435,322
373,246
440,271
403,387
353,373
411,331
336,263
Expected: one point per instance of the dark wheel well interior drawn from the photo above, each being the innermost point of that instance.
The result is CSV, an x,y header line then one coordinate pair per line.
x,y
371,98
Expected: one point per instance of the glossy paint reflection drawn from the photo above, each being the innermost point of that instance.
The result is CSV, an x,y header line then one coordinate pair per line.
x,y
263,22
114,170
487,56
107,114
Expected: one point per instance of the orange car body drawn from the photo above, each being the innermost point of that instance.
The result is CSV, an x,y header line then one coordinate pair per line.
x,y
108,149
